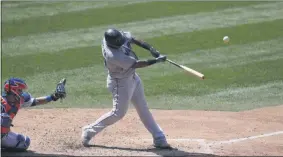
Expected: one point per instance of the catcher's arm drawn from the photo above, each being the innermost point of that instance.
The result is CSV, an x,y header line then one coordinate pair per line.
x,y
59,93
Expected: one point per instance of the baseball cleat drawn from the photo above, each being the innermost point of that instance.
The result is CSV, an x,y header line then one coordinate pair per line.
x,y
85,138
85,141
161,143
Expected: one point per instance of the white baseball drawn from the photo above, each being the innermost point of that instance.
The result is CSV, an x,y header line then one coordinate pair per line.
x,y
226,39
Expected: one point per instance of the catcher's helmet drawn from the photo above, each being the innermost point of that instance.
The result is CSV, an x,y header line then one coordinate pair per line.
x,y
114,38
15,86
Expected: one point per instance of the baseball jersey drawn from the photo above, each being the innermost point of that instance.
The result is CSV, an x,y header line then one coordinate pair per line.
x,y
119,62
9,111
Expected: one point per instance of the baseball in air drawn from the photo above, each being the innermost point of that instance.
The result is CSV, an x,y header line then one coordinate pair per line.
x,y
226,39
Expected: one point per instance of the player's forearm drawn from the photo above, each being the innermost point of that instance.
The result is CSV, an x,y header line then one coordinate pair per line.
x,y
142,44
146,46
144,63
43,100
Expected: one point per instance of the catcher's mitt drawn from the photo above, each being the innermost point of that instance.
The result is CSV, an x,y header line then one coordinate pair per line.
x,y
60,92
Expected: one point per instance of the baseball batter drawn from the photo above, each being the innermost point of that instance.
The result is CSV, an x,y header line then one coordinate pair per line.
x,y
125,85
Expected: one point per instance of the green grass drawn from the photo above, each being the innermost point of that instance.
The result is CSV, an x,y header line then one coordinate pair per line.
x,y
241,75
25,4
217,79
109,15
173,44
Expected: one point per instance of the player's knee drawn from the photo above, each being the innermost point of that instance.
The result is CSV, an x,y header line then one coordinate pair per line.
x,y
23,142
119,114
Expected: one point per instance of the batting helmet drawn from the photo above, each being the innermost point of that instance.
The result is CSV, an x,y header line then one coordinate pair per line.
x,y
15,86
114,38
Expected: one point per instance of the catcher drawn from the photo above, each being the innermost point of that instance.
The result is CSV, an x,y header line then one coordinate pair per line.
x,y
13,98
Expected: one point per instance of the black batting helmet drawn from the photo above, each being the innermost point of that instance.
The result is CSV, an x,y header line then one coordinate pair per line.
x,y
114,38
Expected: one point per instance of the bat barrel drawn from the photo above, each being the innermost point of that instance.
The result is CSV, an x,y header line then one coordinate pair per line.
x,y
187,69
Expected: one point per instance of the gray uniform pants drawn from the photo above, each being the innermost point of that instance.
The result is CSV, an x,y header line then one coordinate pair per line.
x,y
14,141
124,91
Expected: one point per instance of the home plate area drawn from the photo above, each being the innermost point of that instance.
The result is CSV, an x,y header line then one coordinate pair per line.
x,y
200,133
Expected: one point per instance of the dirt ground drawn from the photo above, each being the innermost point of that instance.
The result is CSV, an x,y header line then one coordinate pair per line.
x,y
199,133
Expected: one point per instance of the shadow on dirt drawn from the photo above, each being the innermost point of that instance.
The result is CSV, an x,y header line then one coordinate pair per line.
x,y
28,154
159,152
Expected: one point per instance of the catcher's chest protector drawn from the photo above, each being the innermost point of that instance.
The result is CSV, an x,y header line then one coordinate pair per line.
x,y
11,110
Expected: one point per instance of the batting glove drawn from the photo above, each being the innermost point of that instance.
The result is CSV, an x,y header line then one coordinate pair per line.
x,y
154,52
161,58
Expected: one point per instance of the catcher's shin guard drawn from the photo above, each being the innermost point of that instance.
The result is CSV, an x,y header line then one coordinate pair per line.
x,y
23,143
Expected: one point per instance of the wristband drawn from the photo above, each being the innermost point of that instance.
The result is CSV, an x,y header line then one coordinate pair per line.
x,y
49,98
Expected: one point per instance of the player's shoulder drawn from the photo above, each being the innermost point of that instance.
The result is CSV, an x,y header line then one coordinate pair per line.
x,y
27,96
127,34
28,100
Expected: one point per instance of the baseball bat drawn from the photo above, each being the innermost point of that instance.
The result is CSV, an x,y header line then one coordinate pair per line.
x,y
187,69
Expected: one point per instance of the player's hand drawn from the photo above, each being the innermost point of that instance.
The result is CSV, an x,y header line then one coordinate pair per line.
x,y
161,58
154,52
60,92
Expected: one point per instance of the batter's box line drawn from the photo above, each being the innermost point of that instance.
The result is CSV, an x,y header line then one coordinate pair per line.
x,y
245,138
206,146
224,142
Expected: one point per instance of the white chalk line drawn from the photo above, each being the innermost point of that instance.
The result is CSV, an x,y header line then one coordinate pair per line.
x,y
245,138
206,146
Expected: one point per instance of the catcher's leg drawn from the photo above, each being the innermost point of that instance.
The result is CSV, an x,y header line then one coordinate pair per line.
x,y
15,142
146,117
121,93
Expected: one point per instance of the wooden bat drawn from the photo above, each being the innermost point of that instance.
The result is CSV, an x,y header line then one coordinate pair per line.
x,y
187,69
192,71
